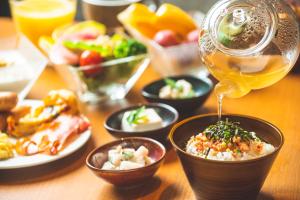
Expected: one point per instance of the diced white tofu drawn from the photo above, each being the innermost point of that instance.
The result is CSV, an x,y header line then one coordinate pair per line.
x,y
153,121
108,166
186,89
129,165
141,152
165,92
114,157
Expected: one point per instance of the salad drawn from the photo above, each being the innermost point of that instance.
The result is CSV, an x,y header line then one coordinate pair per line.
x,y
97,59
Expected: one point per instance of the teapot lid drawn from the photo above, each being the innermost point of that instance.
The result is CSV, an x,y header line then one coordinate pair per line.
x,y
241,27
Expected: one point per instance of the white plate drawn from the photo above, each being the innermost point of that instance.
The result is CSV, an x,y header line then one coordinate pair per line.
x,y
27,64
38,159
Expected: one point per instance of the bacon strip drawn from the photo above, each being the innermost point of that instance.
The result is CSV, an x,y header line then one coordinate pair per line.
x,y
55,135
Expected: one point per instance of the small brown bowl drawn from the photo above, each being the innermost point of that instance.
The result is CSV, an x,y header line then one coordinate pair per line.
x,y
127,178
202,87
215,180
168,114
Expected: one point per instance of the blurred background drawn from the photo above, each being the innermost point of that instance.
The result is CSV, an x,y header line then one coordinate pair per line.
x,y
202,5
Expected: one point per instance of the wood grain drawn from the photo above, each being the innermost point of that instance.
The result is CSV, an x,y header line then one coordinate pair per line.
x,y
71,179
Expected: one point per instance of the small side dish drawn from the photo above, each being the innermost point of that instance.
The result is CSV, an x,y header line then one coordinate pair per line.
x,y
180,89
185,93
15,71
141,119
21,63
127,158
147,120
227,141
127,162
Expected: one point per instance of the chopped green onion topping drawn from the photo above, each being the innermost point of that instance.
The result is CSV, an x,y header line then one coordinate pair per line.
x,y
127,155
136,116
226,130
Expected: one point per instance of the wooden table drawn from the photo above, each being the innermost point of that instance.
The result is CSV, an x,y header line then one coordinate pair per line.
x,y
69,178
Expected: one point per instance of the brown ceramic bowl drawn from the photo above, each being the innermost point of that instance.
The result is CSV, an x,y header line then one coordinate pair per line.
x,y
127,178
106,11
168,114
202,87
215,180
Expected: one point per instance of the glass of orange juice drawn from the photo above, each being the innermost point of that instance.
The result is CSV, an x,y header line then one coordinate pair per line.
x,y
35,18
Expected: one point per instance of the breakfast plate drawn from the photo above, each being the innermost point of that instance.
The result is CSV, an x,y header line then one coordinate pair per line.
x,y
29,161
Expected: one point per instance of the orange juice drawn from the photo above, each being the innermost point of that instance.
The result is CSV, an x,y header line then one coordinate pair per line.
x,y
35,18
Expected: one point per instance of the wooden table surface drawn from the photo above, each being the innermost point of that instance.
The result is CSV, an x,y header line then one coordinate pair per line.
x,y
69,178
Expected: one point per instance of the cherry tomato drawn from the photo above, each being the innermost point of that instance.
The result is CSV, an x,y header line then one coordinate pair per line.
x,y
90,58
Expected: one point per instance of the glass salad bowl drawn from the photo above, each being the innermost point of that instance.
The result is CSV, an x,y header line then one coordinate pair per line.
x,y
115,79
99,66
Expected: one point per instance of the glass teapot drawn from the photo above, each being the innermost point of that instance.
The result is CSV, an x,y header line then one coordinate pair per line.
x,y
249,44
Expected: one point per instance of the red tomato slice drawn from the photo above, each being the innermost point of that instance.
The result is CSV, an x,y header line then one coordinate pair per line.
x,y
90,58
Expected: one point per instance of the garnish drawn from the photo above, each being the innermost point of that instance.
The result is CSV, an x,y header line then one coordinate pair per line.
x,y
127,155
191,94
170,82
136,116
173,84
226,131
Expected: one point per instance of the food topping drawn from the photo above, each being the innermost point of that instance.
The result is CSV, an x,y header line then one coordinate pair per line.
x,y
227,141
126,158
180,89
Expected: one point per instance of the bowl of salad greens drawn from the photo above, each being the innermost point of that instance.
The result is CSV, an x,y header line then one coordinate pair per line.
x,y
100,66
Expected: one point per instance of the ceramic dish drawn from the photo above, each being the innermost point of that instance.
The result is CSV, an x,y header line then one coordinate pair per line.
x,y
25,63
168,114
38,159
211,179
202,88
127,178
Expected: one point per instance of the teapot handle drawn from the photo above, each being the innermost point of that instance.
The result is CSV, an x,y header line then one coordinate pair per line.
x,y
157,3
